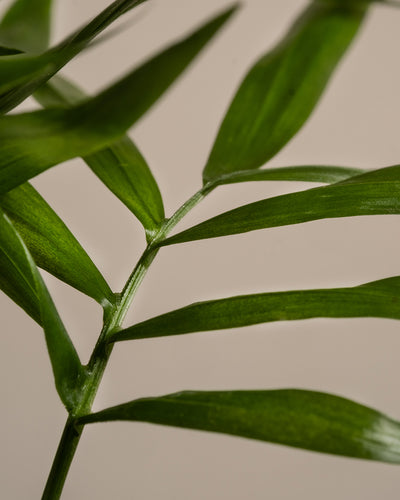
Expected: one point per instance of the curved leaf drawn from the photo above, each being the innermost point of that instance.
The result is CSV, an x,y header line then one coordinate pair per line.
x,y
21,280
33,142
282,89
52,245
375,193
21,75
380,299
304,419
26,25
303,173
121,167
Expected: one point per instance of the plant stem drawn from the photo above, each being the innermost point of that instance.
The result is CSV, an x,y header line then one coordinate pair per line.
x,y
102,351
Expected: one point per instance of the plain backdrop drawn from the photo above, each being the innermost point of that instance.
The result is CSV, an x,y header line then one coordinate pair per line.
x,y
355,124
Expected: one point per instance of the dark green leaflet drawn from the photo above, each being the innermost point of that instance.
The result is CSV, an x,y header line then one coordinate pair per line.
x,y
375,193
33,142
20,279
282,89
52,245
303,419
376,299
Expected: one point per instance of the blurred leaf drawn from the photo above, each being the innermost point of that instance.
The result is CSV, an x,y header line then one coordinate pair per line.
x,y
120,167
20,279
282,89
303,419
26,25
33,142
375,193
307,173
21,75
6,51
52,245
379,299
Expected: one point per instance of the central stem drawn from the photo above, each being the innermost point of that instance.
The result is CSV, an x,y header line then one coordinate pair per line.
x,y
102,352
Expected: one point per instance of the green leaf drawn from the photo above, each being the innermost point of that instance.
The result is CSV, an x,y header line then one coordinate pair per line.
x,y
303,173
26,25
380,299
375,193
303,419
21,75
283,87
120,167
52,245
21,280
15,272
33,142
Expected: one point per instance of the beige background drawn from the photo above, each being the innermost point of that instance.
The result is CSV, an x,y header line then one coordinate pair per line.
x,y
356,124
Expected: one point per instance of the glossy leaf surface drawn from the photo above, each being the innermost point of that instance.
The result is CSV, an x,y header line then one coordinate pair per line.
x,y
20,279
303,419
51,244
373,193
282,89
379,299
21,75
26,25
302,173
121,167
33,142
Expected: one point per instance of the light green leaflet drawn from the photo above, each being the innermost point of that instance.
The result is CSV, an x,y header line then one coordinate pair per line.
x,y
20,279
52,245
21,75
26,25
379,299
303,419
120,166
324,174
376,193
33,142
281,90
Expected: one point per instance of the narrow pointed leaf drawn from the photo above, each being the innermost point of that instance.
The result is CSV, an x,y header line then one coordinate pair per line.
x,y
21,277
313,173
52,245
26,25
15,272
282,89
366,194
303,419
33,142
21,75
120,167
380,299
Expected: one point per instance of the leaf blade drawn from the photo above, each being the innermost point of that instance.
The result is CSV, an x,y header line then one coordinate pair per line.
x,y
302,173
302,419
359,195
378,299
283,87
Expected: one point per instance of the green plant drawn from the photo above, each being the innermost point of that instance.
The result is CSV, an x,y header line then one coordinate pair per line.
x,y
274,101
